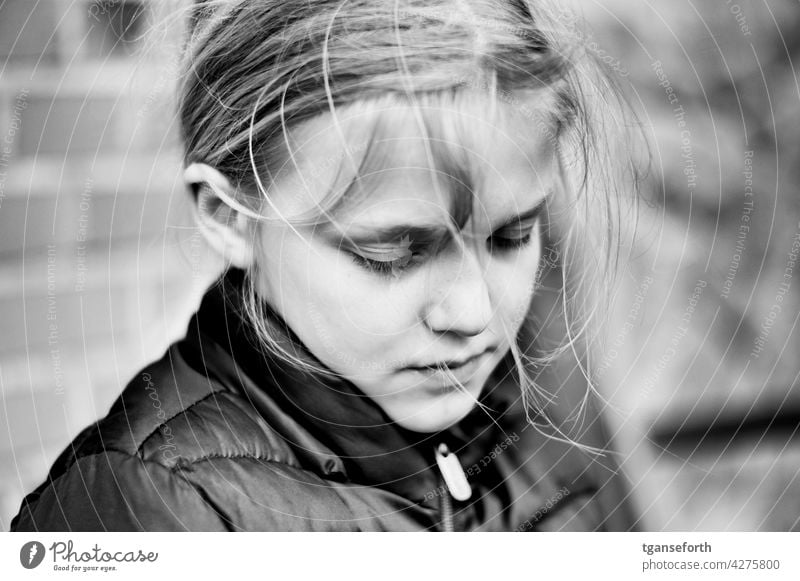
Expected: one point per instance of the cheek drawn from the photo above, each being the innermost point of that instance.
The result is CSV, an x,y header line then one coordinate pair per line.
x,y
321,292
366,309
513,286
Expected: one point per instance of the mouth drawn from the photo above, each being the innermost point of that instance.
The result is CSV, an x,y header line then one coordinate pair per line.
x,y
452,364
443,373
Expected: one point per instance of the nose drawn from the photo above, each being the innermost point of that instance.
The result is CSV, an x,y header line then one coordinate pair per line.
x,y
459,295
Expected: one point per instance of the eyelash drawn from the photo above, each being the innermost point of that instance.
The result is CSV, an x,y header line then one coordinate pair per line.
x,y
381,267
387,267
511,243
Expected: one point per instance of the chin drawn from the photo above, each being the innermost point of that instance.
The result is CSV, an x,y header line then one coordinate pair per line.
x,y
445,411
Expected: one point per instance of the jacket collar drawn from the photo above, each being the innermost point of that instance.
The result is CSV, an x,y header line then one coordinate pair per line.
x,y
351,437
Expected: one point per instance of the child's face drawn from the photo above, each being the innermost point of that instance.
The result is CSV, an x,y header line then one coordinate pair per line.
x,y
427,303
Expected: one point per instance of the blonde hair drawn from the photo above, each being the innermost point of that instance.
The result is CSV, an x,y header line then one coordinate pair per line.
x,y
255,69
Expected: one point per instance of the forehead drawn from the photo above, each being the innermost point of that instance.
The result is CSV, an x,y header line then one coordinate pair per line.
x,y
375,160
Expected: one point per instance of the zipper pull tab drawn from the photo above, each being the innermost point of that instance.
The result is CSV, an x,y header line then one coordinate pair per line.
x,y
453,473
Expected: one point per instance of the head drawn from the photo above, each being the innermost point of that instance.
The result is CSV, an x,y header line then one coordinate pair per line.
x,y
388,174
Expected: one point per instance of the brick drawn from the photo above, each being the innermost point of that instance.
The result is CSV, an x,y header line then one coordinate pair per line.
x,y
25,367
27,31
67,124
128,216
53,322
25,223
85,207
32,418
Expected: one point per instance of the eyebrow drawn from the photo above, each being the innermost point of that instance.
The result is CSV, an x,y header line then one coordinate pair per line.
x,y
437,232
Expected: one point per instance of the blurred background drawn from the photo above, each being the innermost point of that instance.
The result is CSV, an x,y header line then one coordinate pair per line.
x,y
100,267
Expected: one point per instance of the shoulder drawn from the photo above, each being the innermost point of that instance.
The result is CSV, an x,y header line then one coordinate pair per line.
x,y
179,450
172,415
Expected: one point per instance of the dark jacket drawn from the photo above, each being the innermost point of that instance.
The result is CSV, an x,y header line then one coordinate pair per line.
x,y
218,435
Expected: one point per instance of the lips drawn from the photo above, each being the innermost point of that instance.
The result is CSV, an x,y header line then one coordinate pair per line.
x,y
451,364
444,371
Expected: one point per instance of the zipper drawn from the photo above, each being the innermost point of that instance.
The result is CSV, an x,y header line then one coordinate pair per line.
x,y
453,484
446,509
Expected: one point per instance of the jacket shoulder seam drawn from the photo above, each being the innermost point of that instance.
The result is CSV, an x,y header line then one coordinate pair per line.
x,y
239,456
164,422
226,522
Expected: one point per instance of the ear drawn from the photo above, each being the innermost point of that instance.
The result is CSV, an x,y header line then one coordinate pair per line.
x,y
224,222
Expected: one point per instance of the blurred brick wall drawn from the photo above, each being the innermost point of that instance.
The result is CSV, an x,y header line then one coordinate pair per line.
x,y
99,267
703,356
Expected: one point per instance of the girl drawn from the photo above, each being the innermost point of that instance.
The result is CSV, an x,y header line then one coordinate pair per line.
x,y
415,206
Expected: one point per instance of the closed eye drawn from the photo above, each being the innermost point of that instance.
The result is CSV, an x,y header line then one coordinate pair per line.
x,y
512,238
499,242
391,262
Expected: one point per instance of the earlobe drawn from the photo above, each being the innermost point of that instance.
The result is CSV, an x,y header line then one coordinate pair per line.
x,y
220,218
